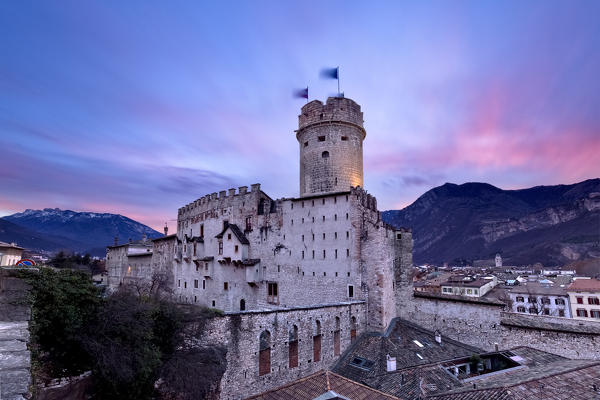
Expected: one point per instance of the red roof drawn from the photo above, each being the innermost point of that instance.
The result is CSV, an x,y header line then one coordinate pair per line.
x,y
591,285
322,382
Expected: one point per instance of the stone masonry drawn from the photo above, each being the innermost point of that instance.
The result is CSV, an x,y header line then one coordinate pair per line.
x,y
271,264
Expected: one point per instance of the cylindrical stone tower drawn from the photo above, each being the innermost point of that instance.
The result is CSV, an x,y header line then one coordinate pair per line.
x,y
330,137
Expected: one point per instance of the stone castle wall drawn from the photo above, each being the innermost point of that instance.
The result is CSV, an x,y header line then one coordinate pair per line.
x,y
484,324
240,333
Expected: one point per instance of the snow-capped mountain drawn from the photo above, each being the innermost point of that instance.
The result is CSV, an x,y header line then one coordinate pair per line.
x,y
81,231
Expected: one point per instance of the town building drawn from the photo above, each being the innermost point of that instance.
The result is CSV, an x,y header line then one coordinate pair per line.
x,y
540,299
584,297
469,286
10,253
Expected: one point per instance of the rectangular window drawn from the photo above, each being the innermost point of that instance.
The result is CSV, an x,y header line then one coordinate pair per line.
x,y
178,282
347,252
346,215
593,300
235,248
323,253
323,218
313,254
546,311
581,312
579,300
185,285
225,285
469,291
303,254
323,236
350,291
305,144
272,294
344,138
313,235
559,302
532,310
292,221
335,217
520,309
335,235
532,300
335,253
521,299
347,234
203,284
545,300
202,230
303,238
229,236
323,202
220,248
195,283
321,138
595,313
249,222
561,313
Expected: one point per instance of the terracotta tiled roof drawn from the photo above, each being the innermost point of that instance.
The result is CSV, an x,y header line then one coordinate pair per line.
x,y
320,383
585,284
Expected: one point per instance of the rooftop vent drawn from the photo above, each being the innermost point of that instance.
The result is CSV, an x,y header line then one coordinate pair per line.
x,y
391,363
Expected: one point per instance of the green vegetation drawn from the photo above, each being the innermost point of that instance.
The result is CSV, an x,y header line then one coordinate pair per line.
x,y
63,260
129,340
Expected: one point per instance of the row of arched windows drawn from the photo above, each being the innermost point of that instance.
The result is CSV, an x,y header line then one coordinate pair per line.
x,y
264,355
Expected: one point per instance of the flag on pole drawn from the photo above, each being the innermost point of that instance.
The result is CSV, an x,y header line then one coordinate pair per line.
x,y
301,93
330,73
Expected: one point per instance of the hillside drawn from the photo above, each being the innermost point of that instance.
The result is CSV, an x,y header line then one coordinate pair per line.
x,y
553,225
51,229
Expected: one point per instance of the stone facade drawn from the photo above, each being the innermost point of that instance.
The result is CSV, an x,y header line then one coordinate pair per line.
x,y
272,265
330,136
241,332
485,324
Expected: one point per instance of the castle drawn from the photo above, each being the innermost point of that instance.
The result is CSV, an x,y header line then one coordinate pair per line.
x,y
317,269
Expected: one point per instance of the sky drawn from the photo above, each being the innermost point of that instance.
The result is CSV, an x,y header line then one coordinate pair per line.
x,y
140,107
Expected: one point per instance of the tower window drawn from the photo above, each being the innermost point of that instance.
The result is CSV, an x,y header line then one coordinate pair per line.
x,y
321,116
344,138
305,144
325,154
321,138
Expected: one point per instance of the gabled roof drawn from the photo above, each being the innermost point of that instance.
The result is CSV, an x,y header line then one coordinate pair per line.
x,y
411,344
323,385
236,231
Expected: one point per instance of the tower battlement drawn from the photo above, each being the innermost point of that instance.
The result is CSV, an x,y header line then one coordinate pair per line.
x,y
336,109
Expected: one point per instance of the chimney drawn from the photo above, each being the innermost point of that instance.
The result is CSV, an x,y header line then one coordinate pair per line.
x,y
166,229
116,240
438,337
391,363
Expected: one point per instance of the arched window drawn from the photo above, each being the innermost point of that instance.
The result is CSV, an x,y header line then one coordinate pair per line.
x,y
325,154
264,355
317,341
242,305
293,347
336,337
352,329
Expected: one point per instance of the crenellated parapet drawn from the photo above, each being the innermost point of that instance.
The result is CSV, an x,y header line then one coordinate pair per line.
x,y
336,110
222,199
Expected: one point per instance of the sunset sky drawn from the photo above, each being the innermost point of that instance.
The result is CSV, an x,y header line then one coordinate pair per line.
x,y
139,107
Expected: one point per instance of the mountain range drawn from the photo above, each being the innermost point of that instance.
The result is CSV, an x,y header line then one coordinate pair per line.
x,y
53,229
553,225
